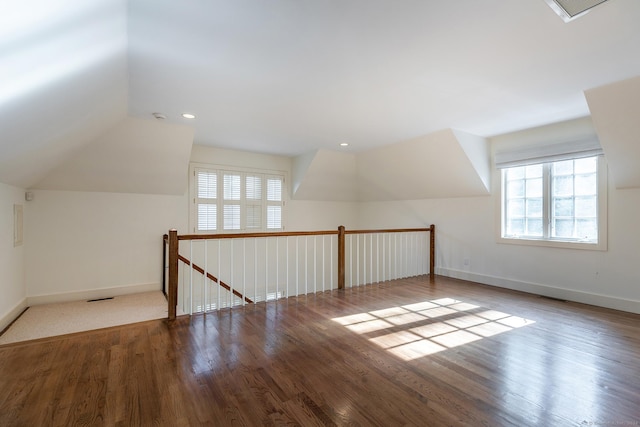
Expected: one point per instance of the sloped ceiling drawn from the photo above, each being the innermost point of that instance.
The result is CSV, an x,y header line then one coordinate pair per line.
x,y
431,166
287,78
442,164
135,156
615,110
291,77
63,81
325,175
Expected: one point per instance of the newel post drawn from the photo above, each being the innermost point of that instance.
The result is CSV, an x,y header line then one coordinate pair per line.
x,y
341,257
432,251
172,296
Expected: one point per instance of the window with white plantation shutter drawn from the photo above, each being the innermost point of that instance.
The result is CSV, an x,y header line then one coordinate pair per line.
x,y
253,202
207,191
274,203
232,197
237,200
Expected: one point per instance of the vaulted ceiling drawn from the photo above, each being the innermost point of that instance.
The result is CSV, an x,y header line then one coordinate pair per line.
x,y
292,77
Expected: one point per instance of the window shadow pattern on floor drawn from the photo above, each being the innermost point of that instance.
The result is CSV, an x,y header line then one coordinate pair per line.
x,y
417,330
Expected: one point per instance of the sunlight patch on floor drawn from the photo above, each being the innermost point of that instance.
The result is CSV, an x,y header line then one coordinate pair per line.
x,y
428,327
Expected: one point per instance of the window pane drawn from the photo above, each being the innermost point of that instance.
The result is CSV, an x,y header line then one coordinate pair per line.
x,y
587,229
231,217
207,185
586,207
515,208
254,188
534,208
586,184
563,186
534,171
515,189
274,217
534,227
588,165
515,173
563,168
534,187
563,228
274,189
207,217
515,227
563,206
231,187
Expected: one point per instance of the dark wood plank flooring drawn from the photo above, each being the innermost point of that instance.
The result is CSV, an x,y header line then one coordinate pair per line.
x,y
409,352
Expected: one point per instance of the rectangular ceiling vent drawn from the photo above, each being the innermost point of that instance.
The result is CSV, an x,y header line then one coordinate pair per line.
x,y
569,10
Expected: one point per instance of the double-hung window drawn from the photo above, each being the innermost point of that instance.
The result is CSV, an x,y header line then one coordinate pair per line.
x,y
230,200
554,196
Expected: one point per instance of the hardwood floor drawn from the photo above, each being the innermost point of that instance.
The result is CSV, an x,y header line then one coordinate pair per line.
x,y
409,352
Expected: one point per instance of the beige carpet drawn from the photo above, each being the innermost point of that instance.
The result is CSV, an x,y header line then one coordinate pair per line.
x,y
48,320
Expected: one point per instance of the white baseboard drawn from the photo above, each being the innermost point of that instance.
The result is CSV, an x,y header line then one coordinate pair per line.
x,y
93,294
13,314
631,306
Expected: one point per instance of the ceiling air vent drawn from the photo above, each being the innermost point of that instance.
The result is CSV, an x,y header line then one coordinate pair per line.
x,y
569,10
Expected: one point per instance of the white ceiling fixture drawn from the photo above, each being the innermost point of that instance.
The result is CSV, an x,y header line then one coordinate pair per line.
x,y
188,116
569,10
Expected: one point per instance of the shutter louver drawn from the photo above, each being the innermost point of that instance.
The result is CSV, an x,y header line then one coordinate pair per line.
x,y
207,185
254,217
253,188
231,187
274,190
207,217
274,217
232,217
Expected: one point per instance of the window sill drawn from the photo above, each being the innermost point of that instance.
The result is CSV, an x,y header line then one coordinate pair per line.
x,y
600,246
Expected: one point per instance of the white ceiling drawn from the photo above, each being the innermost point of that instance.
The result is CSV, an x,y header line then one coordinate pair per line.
x,y
286,77
292,76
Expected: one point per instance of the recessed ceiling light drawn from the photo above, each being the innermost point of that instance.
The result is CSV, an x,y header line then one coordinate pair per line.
x,y
344,144
188,116
159,116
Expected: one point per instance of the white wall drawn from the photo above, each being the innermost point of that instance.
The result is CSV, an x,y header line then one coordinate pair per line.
x,y
82,245
89,245
466,229
12,283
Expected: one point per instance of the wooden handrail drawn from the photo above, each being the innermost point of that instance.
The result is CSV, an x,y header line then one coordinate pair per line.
x,y
389,230
251,235
173,242
200,270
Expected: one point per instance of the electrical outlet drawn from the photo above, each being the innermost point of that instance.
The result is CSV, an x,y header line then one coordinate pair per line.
x,y
465,262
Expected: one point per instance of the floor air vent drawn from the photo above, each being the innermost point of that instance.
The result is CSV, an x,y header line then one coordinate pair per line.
x,y
569,10
99,299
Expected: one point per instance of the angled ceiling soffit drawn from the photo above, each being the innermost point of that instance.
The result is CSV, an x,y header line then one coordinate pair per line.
x,y
438,165
615,109
135,156
325,175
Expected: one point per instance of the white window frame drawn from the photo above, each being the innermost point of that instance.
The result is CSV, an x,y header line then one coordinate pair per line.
x,y
220,202
602,188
